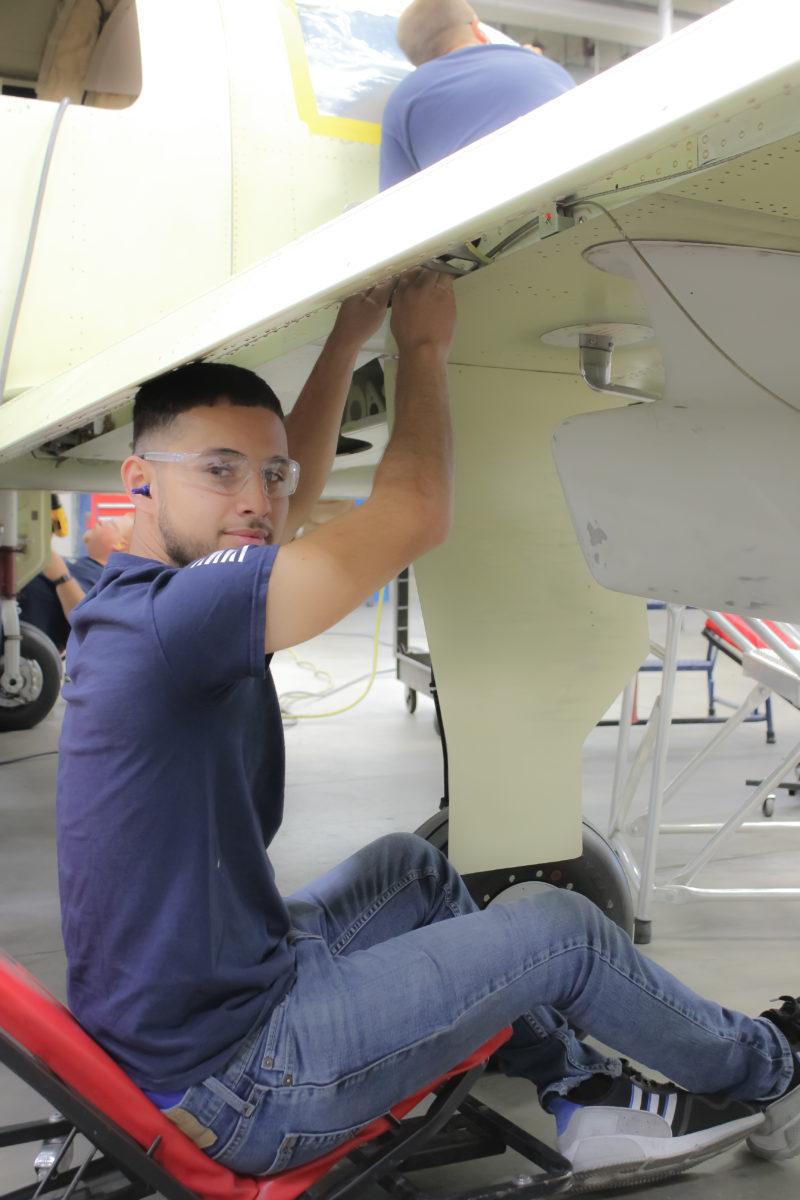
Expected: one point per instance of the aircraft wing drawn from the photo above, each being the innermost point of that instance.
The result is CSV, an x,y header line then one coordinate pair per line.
x,y
695,140
680,141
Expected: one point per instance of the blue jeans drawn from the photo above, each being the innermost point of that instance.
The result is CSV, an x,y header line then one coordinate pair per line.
x,y
392,992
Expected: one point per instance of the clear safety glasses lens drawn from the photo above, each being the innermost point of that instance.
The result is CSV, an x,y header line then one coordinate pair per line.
x,y
228,473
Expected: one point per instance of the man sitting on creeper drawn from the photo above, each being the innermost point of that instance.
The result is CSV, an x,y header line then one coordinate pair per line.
x,y
270,1028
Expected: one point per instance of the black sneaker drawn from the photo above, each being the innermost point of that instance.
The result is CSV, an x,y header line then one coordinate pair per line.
x,y
779,1136
630,1130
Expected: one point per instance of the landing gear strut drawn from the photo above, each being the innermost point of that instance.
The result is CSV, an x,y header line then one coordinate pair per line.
x,y
30,665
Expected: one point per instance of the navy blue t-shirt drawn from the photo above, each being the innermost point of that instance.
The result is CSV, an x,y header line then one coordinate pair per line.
x,y
456,99
39,603
170,789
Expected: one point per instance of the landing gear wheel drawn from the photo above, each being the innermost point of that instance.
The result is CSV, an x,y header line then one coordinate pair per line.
x,y
597,874
40,667
411,700
768,805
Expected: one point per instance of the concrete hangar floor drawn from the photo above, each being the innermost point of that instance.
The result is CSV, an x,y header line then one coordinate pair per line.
x,y
376,769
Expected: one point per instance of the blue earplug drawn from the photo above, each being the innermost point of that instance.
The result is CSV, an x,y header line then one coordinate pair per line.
x,y
142,491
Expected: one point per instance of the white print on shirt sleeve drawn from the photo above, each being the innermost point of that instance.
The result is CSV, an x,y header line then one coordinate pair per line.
x,y
221,556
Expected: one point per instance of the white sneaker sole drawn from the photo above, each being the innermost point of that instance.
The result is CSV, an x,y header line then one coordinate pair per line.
x,y
779,1136
628,1159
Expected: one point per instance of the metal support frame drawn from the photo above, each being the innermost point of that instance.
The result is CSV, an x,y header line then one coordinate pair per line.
x,y
680,884
413,666
124,1170
454,1128
11,680
594,358
642,920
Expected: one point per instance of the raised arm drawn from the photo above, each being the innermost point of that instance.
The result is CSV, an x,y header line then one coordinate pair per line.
x,y
68,590
319,578
312,427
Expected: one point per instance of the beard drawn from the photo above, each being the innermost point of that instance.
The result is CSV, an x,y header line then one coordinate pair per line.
x,y
181,550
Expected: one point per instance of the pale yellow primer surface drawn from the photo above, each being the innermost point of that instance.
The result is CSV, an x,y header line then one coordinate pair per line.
x,y
527,649
136,215
208,171
292,168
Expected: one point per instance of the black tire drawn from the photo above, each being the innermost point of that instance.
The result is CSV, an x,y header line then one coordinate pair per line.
x,y
597,874
411,700
39,657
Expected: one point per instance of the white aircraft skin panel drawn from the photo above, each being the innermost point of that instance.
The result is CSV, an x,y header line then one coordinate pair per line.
x,y
745,299
712,465
32,122
136,216
528,652
695,513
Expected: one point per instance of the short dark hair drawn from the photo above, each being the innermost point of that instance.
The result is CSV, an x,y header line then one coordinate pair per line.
x,y
159,401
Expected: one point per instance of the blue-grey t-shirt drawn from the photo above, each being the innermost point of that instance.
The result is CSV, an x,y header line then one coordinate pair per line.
x,y
456,99
170,789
